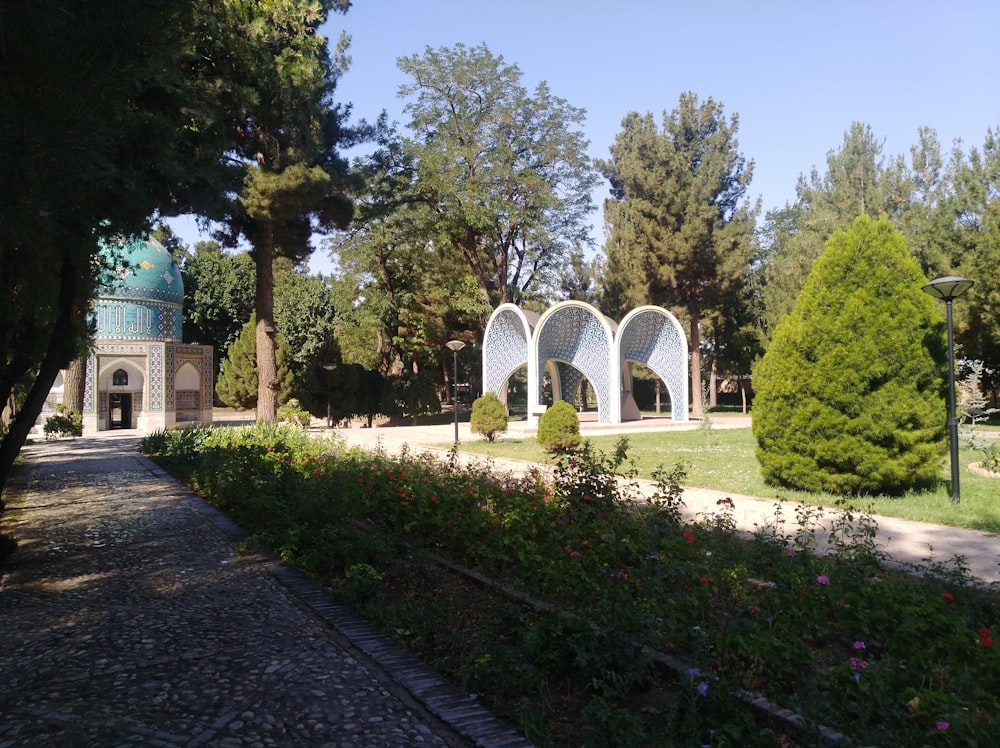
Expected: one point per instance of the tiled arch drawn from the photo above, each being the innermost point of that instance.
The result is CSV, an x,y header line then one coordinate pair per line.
x,y
574,340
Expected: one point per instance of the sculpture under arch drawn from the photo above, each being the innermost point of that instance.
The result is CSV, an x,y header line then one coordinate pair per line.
x,y
573,340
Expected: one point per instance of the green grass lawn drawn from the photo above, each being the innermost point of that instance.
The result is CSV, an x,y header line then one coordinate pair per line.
x,y
723,459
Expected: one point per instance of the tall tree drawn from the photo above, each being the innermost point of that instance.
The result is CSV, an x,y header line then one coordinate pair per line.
x,y
503,171
237,382
304,315
276,77
680,229
859,180
978,204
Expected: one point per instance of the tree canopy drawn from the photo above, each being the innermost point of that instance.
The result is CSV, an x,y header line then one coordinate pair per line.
x,y
680,230
503,172
274,78
96,134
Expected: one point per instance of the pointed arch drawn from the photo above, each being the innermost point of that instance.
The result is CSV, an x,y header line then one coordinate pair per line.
x,y
652,336
576,334
506,345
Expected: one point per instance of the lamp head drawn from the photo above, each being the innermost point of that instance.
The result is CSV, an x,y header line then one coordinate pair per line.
x,y
947,288
455,345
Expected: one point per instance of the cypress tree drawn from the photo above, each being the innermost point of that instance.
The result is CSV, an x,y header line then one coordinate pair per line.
x,y
851,393
237,383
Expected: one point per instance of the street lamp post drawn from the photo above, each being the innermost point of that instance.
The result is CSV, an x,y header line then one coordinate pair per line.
x,y
947,290
329,416
455,346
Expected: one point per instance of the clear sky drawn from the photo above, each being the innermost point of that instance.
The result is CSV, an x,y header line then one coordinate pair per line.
x,y
796,72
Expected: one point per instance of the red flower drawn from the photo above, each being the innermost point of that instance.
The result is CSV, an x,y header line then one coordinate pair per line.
x,y
986,642
703,580
947,596
984,632
689,536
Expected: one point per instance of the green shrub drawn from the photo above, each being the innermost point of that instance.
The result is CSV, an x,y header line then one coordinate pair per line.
x,y
292,413
559,428
63,423
851,393
489,416
237,383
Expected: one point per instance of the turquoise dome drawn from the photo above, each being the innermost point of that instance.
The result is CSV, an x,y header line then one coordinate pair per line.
x,y
143,297
145,271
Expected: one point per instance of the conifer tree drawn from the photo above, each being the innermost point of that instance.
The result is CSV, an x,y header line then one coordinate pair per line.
x,y
237,384
851,393
680,230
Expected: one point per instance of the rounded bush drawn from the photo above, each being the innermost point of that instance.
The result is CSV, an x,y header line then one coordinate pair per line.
x,y
559,428
489,416
850,396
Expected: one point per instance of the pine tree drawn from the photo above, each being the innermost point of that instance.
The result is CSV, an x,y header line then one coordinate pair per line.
x,y
851,394
680,230
237,384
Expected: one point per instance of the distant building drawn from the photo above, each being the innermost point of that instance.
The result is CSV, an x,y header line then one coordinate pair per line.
x,y
140,375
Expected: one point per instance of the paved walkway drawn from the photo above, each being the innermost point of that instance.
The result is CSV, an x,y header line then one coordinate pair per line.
x,y
128,619
907,543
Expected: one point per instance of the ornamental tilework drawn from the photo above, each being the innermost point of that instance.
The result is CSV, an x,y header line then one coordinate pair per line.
x,y
505,348
580,342
569,380
131,320
652,336
88,384
573,334
156,377
168,376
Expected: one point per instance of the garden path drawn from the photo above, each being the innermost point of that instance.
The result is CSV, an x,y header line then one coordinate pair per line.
x,y
130,618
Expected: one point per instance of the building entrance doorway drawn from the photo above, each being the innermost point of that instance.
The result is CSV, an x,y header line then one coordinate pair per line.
x,y
120,410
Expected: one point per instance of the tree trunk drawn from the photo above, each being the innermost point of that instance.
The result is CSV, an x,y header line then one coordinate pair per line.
x,y
658,387
696,404
713,382
63,334
267,362
74,382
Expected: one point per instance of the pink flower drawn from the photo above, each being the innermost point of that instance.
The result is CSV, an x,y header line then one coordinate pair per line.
x,y
574,554
942,725
859,645
822,579
858,664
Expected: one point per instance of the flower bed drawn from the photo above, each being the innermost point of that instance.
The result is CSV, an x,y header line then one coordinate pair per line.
x,y
885,657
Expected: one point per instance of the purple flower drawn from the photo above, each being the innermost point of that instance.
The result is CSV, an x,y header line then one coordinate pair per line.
x,y
942,726
822,579
859,645
694,672
702,688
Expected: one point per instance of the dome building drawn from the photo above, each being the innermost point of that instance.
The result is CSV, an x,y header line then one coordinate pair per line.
x,y
140,374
